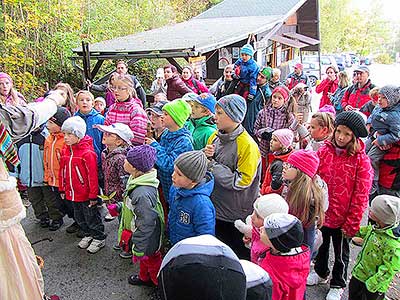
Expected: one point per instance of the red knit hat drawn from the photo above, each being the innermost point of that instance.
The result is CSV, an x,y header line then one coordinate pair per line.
x,y
305,161
283,90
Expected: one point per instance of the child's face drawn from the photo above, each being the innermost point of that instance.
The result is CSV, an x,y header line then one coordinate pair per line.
x,y
343,136
85,103
223,121
167,121
99,106
155,121
70,139
5,86
245,57
256,220
53,127
275,144
317,132
111,139
159,97
383,101
289,172
179,180
198,111
264,237
277,100
120,90
372,216
129,168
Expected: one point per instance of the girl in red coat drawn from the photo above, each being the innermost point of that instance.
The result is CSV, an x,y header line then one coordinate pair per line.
x,y
347,171
328,86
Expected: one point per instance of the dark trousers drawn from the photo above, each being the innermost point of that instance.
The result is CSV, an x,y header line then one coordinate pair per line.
x,y
358,291
341,249
45,204
227,233
89,220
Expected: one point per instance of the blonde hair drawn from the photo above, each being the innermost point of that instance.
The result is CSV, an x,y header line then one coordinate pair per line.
x,y
70,103
305,199
343,79
374,92
126,80
276,71
325,119
84,92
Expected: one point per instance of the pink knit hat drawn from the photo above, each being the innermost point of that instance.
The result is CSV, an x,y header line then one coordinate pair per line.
x,y
285,136
328,109
283,90
5,75
305,161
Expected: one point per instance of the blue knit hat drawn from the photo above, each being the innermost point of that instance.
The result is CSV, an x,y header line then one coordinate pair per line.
x,y
234,106
247,49
207,100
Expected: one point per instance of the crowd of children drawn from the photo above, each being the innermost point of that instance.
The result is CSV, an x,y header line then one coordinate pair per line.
x,y
189,168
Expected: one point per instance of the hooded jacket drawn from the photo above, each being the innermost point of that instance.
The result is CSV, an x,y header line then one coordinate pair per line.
x,y
191,212
349,180
248,72
176,88
142,213
379,259
52,154
78,171
201,130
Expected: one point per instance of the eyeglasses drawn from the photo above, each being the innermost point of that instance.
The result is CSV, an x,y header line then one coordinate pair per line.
x,y
118,88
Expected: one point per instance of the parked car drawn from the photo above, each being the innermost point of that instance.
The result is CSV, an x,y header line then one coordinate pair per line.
x,y
354,59
326,61
347,59
340,62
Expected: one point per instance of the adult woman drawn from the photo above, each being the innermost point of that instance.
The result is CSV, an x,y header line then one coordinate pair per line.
x,y
328,85
276,79
336,97
195,85
176,87
226,84
67,92
8,95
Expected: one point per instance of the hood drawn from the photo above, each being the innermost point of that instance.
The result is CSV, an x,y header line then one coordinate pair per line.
x,y
205,187
170,136
204,121
226,137
83,144
93,112
149,179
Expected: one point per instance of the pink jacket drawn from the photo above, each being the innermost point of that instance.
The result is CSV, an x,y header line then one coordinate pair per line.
x,y
257,246
349,180
288,274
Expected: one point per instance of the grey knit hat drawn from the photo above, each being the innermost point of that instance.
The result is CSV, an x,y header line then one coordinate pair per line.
x,y
386,208
391,93
234,106
75,125
192,164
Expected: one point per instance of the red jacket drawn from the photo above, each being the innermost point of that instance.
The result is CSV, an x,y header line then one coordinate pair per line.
x,y
349,180
274,173
78,171
326,86
356,96
288,274
195,85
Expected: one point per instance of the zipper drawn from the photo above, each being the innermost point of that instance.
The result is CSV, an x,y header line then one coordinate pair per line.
x,y
362,250
70,174
51,161
30,160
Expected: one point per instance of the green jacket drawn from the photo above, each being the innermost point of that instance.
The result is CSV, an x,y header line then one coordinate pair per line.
x,y
379,260
142,213
201,130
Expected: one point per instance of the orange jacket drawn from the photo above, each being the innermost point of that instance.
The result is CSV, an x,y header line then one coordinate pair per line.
x,y
52,153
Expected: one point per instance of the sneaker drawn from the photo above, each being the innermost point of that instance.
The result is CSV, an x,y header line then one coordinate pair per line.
x,y
74,227
80,234
56,224
135,280
117,247
45,222
357,241
126,255
108,217
335,294
85,242
96,245
313,279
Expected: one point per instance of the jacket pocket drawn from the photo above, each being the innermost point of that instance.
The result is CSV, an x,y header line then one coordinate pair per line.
x,y
79,174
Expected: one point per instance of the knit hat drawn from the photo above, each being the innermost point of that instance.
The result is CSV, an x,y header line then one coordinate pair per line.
x,y
179,110
354,121
386,208
75,125
100,99
157,108
5,75
285,137
267,72
298,66
391,93
122,130
270,204
60,116
207,100
328,109
306,161
247,49
192,164
234,106
283,90
190,96
284,231
142,157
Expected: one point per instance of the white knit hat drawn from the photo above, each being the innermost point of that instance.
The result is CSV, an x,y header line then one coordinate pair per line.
x,y
75,125
269,204
386,208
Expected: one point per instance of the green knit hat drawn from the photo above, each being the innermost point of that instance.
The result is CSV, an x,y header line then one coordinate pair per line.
x,y
267,72
179,110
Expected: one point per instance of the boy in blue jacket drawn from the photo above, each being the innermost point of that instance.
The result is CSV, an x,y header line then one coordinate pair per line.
x,y
191,210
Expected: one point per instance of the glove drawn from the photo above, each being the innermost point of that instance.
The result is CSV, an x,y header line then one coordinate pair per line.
x,y
266,135
113,210
250,97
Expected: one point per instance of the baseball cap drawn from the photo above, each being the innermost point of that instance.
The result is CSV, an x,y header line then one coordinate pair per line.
x,y
362,69
157,108
122,130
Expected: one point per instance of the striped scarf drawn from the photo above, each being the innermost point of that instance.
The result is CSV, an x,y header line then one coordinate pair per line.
x,y
7,149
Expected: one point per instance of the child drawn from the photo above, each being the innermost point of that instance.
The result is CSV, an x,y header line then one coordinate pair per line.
x,y
246,70
262,208
100,105
385,122
321,129
53,146
368,107
157,127
347,171
281,147
79,182
85,103
142,222
379,260
303,99
278,114
127,109
307,194
287,261
201,123
236,166
191,212
174,141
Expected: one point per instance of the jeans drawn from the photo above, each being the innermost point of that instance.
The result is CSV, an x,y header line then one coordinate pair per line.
x,y
89,220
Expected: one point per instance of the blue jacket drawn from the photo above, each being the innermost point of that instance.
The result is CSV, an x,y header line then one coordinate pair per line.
x,y
191,212
168,149
30,152
93,118
248,73
386,121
